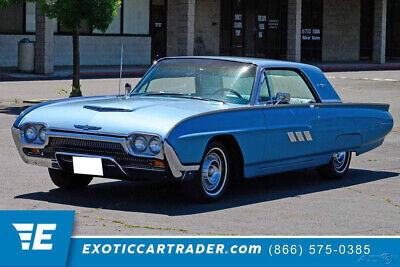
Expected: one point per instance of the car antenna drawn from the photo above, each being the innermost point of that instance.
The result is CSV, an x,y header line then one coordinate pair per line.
x,y
120,69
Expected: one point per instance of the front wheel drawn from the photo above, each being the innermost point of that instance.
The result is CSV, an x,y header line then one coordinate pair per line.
x,y
213,176
337,166
66,180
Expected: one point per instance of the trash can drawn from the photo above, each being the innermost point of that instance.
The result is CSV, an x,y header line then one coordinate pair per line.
x,y
26,55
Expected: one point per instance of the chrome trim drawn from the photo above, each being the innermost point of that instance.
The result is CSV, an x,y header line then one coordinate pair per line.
x,y
85,136
50,163
122,168
177,169
300,136
292,137
308,136
91,156
44,162
146,153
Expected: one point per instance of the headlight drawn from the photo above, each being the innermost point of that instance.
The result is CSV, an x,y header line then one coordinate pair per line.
x,y
30,133
155,145
42,134
144,145
140,143
34,134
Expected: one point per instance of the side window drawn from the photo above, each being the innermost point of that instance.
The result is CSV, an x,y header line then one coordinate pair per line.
x,y
286,81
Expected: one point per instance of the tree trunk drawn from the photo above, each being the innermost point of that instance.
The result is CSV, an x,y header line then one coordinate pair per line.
x,y
76,87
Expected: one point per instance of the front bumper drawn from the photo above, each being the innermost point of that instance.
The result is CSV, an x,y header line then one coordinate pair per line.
x,y
112,169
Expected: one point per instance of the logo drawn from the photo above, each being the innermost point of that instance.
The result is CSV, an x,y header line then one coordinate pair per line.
x,y
25,231
87,127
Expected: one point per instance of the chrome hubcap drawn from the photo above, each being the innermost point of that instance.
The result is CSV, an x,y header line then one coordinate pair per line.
x,y
213,172
339,160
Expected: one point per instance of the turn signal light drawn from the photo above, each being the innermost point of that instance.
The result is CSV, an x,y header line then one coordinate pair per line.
x,y
158,164
35,151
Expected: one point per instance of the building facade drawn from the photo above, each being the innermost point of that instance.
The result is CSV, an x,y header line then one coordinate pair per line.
x,y
297,30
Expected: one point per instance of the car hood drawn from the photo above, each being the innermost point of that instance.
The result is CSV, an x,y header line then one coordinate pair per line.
x,y
117,115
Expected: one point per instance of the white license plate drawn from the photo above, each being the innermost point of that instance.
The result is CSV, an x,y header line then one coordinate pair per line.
x,y
88,166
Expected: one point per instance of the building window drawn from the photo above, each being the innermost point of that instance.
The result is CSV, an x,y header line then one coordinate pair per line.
x,y
136,16
30,18
11,19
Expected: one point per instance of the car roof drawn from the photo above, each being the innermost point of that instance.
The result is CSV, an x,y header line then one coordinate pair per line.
x,y
261,62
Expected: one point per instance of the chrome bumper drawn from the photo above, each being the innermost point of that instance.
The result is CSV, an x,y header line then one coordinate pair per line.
x,y
178,170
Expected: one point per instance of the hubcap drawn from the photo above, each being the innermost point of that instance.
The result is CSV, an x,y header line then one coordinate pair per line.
x,y
213,172
339,161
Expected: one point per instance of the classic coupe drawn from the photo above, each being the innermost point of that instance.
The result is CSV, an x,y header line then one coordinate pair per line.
x,y
202,121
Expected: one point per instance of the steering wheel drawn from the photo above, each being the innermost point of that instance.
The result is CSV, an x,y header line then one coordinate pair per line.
x,y
221,90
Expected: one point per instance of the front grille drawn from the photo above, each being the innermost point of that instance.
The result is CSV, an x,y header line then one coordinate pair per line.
x,y
97,148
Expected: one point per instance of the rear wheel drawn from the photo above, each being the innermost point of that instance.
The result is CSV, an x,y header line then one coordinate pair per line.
x,y
212,178
337,167
69,180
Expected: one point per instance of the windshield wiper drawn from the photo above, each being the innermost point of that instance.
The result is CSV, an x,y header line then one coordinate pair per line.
x,y
202,98
182,95
163,93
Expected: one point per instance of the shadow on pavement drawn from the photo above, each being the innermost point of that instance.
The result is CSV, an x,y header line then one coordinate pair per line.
x,y
13,110
167,199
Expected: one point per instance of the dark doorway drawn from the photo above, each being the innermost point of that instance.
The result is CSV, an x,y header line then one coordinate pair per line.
x,y
311,30
393,30
254,28
237,35
366,29
271,25
158,26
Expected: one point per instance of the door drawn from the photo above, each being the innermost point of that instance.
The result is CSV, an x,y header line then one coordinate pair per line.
x,y
366,29
237,34
393,30
158,29
311,30
292,127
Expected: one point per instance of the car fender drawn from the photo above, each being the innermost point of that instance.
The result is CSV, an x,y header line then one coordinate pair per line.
x,y
190,137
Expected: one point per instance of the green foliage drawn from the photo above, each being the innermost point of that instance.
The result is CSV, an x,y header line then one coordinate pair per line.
x,y
5,3
98,14
61,91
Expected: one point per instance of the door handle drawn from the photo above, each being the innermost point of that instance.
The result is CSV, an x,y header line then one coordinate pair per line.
x,y
314,107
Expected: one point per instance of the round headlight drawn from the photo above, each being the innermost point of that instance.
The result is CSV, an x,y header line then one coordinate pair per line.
x,y
42,134
155,145
140,143
30,133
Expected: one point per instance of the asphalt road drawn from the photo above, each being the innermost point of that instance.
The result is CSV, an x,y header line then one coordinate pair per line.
x,y
366,202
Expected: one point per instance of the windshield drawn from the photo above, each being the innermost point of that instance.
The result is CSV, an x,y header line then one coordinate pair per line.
x,y
203,79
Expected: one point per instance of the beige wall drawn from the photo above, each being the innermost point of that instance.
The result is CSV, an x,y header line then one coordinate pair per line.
x,y
341,30
95,50
103,50
207,27
172,28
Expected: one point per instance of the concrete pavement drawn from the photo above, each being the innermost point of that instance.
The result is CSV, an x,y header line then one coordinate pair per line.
x,y
366,202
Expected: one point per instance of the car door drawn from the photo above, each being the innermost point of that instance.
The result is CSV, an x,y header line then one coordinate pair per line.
x,y
292,126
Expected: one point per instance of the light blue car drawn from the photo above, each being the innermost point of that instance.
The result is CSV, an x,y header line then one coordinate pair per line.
x,y
202,121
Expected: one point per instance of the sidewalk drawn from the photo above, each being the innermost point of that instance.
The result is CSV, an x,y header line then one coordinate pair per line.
x,y
63,73
96,72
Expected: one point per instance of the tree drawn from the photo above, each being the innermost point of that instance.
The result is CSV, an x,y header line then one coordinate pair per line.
x,y
5,3
97,14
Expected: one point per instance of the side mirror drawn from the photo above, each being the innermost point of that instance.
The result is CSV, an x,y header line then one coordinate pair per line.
x,y
282,98
128,89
